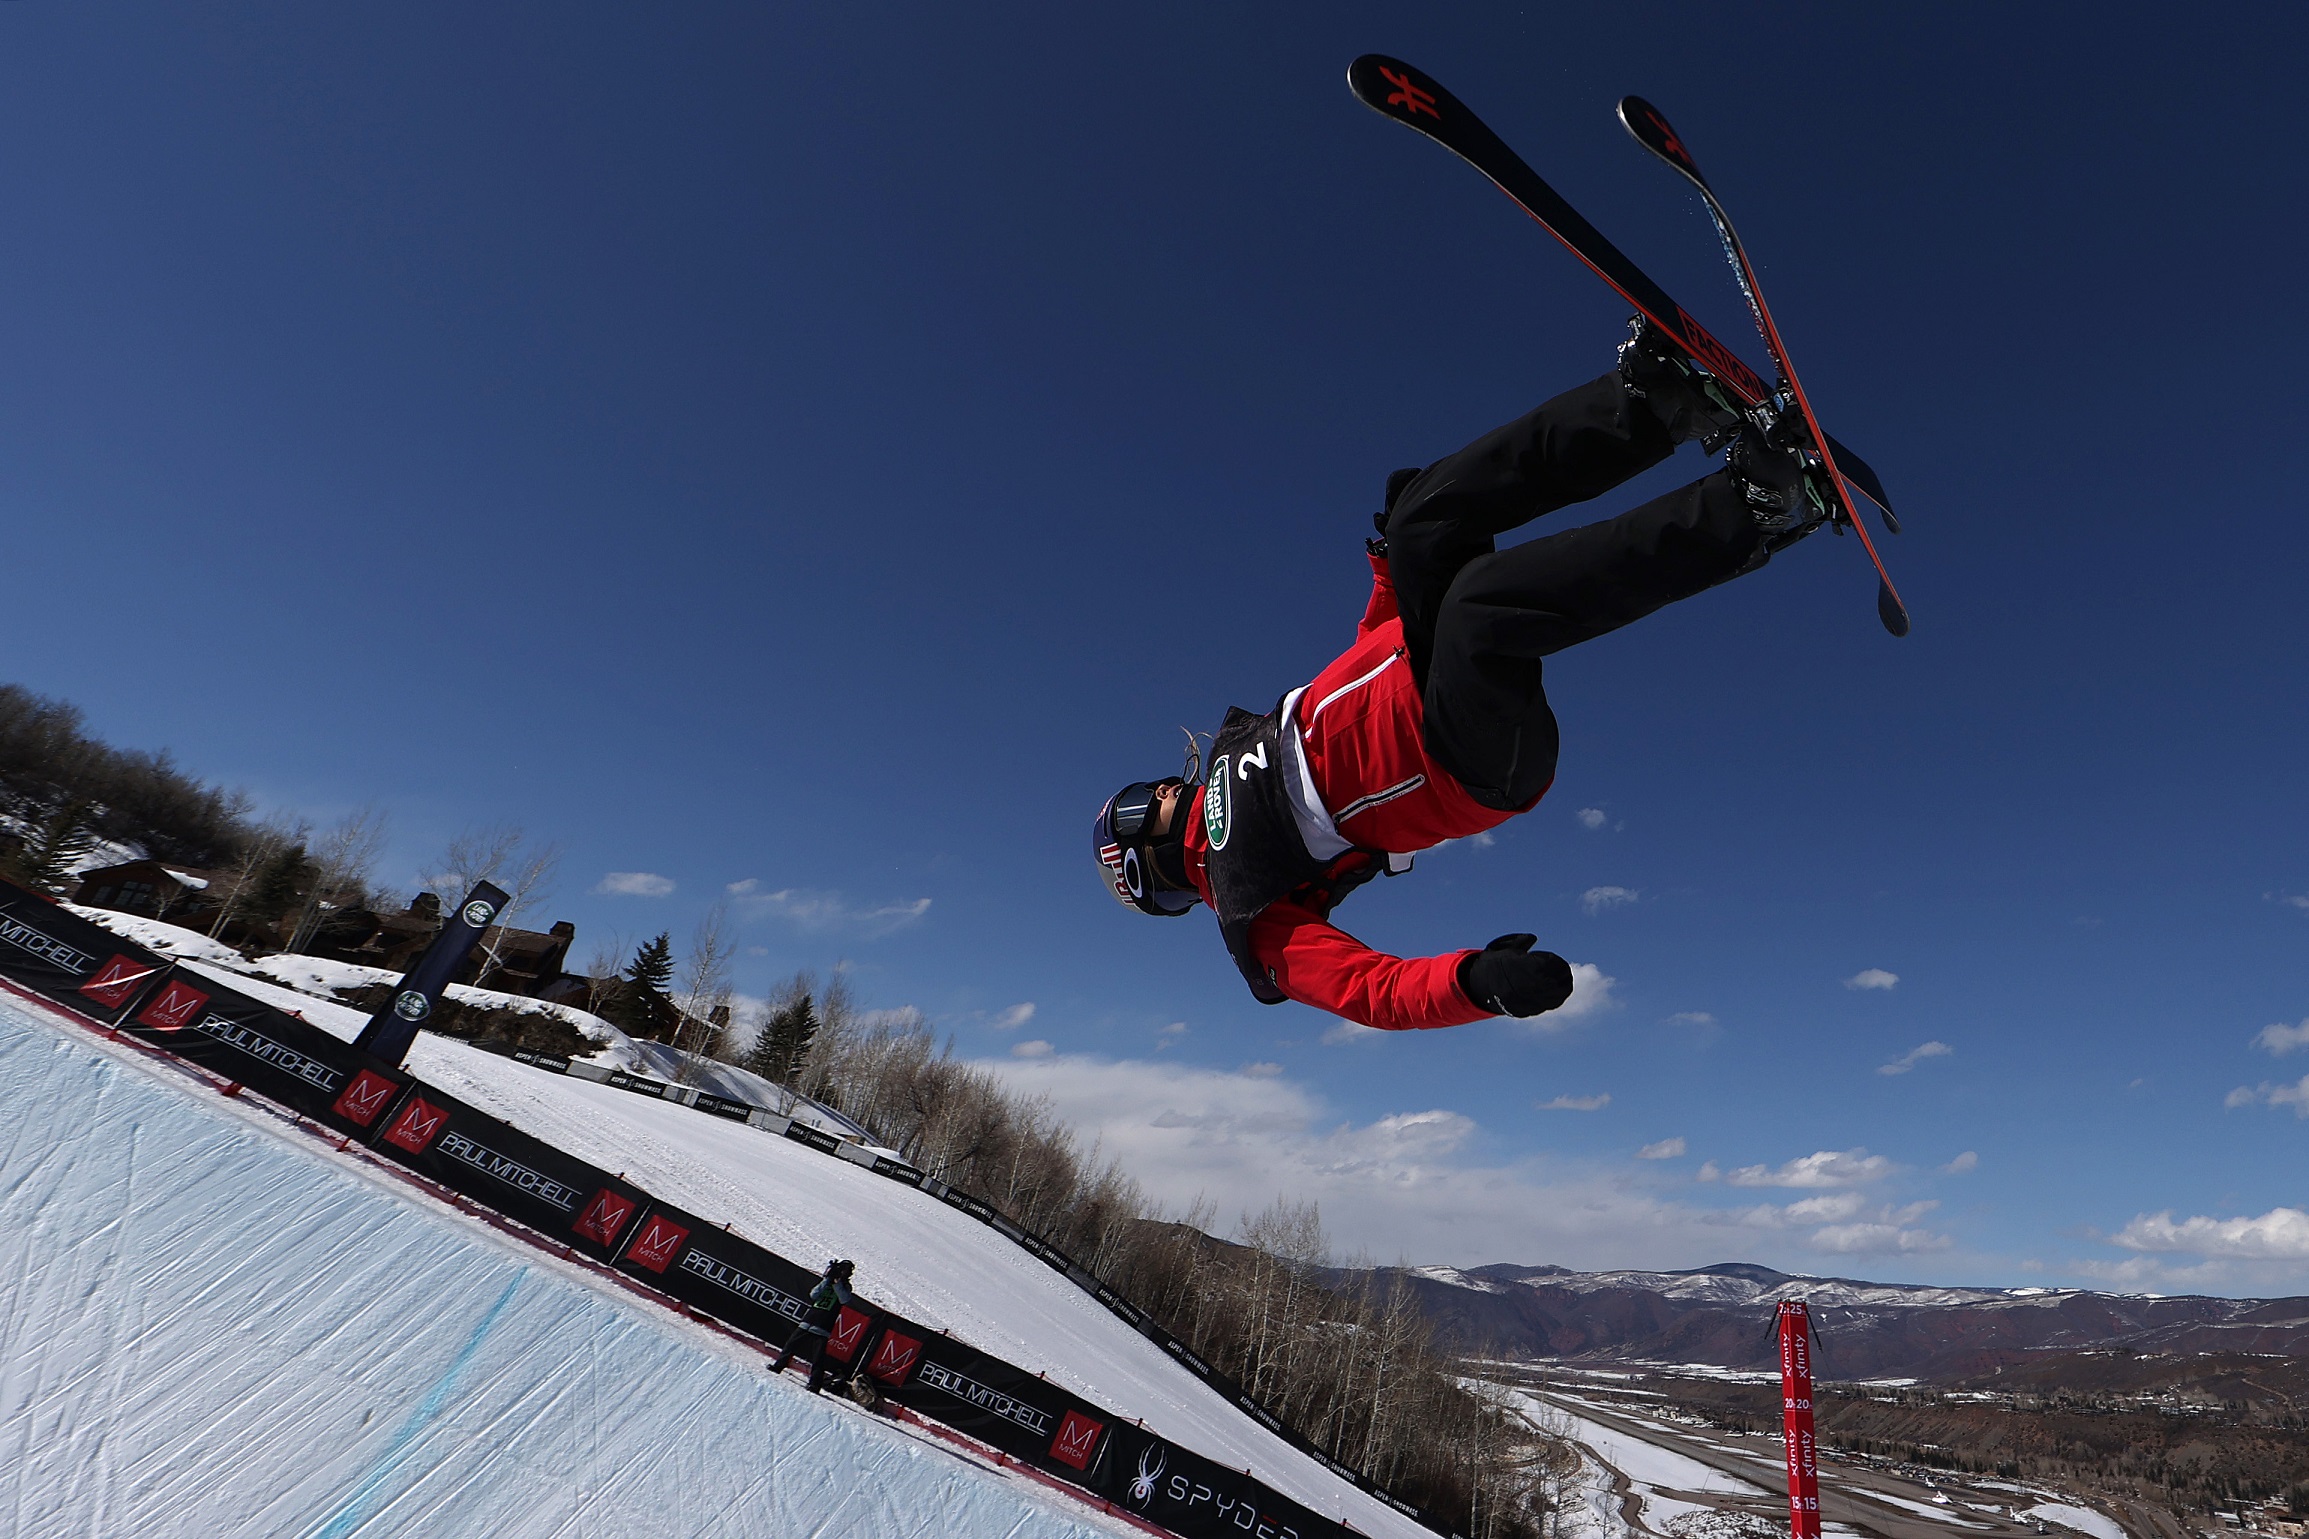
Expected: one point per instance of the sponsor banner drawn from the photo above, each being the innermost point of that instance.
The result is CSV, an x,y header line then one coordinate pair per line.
x,y
1155,1479
717,1273
816,1138
394,1026
551,1063
1025,1416
271,1051
723,1106
503,1168
72,961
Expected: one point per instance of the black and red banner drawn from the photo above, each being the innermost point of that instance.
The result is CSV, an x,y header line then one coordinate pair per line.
x,y
272,1052
1155,1479
718,1273
493,1163
72,961
1024,1415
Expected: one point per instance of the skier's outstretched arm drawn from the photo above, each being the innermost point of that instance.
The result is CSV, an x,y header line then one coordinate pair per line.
x,y
1319,964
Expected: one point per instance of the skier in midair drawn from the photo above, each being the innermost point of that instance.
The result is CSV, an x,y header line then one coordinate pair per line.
x,y
1434,725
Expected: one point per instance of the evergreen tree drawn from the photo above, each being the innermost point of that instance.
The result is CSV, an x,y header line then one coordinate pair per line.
x,y
641,1006
45,855
652,965
280,887
783,1044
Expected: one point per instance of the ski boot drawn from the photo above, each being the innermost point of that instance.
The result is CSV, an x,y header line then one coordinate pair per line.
x,y
1685,398
1782,480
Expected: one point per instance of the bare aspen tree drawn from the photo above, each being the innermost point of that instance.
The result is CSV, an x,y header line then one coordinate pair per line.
x,y
705,989
499,853
237,882
603,968
342,857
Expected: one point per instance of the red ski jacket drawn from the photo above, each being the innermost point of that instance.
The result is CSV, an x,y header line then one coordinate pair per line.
x,y
1358,722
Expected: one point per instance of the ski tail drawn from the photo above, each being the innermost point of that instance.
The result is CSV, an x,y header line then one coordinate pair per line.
x,y
1652,130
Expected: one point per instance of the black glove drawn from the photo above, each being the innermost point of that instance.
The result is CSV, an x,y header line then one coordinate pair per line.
x,y
1507,977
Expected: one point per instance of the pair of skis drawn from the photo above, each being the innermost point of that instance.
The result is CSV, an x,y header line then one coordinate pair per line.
x,y
1396,90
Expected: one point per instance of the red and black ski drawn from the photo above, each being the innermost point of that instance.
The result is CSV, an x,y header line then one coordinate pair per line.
x,y
1397,90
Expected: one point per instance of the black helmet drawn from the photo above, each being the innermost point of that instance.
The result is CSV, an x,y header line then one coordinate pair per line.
x,y
1123,838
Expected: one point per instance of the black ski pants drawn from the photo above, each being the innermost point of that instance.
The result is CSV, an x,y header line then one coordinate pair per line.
x,y
1478,621
809,1342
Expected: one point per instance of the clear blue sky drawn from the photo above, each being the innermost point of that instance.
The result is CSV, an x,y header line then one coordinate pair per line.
x,y
832,446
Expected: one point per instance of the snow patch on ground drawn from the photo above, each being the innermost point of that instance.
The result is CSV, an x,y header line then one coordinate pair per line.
x,y
2083,1519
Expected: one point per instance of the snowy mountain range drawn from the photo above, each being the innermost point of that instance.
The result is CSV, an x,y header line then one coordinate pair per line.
x,y
1720,1316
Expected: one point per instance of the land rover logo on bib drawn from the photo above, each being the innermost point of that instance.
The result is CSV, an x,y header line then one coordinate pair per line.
x,y
410,1005
478,914
1218,804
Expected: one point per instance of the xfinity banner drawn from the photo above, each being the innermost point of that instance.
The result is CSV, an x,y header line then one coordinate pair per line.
x,y
270,1051
1025,1416
716,1272
394,1026
69,959
503,1168
1153,1478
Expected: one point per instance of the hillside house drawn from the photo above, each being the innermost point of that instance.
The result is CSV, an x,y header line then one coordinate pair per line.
x,y
152,888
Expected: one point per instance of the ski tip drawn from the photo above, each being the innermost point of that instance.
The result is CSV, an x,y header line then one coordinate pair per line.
x,y
1651,130
1889,519
1890,610
1396,89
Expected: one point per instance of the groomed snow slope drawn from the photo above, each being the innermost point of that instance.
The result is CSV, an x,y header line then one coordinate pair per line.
x,y
210,1325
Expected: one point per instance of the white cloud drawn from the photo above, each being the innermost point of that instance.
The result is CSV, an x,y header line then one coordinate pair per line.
x,y
2281,1234
1035,1049
1665,1149
1590,996
1014,1017
1828,1167
1341,1033
1691,1018
1872,978
1596,899
2282,1039
1592,817
1876,1240
634,884
2296,900
823,911
742,889
1915,1056
1962,1163
1263,1070
1168,1037
1484,841
1709,1172
2295,1095
1580,1103
1412,1183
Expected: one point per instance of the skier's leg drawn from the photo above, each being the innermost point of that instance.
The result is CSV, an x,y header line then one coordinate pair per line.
x,y
1487,717
1579,445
